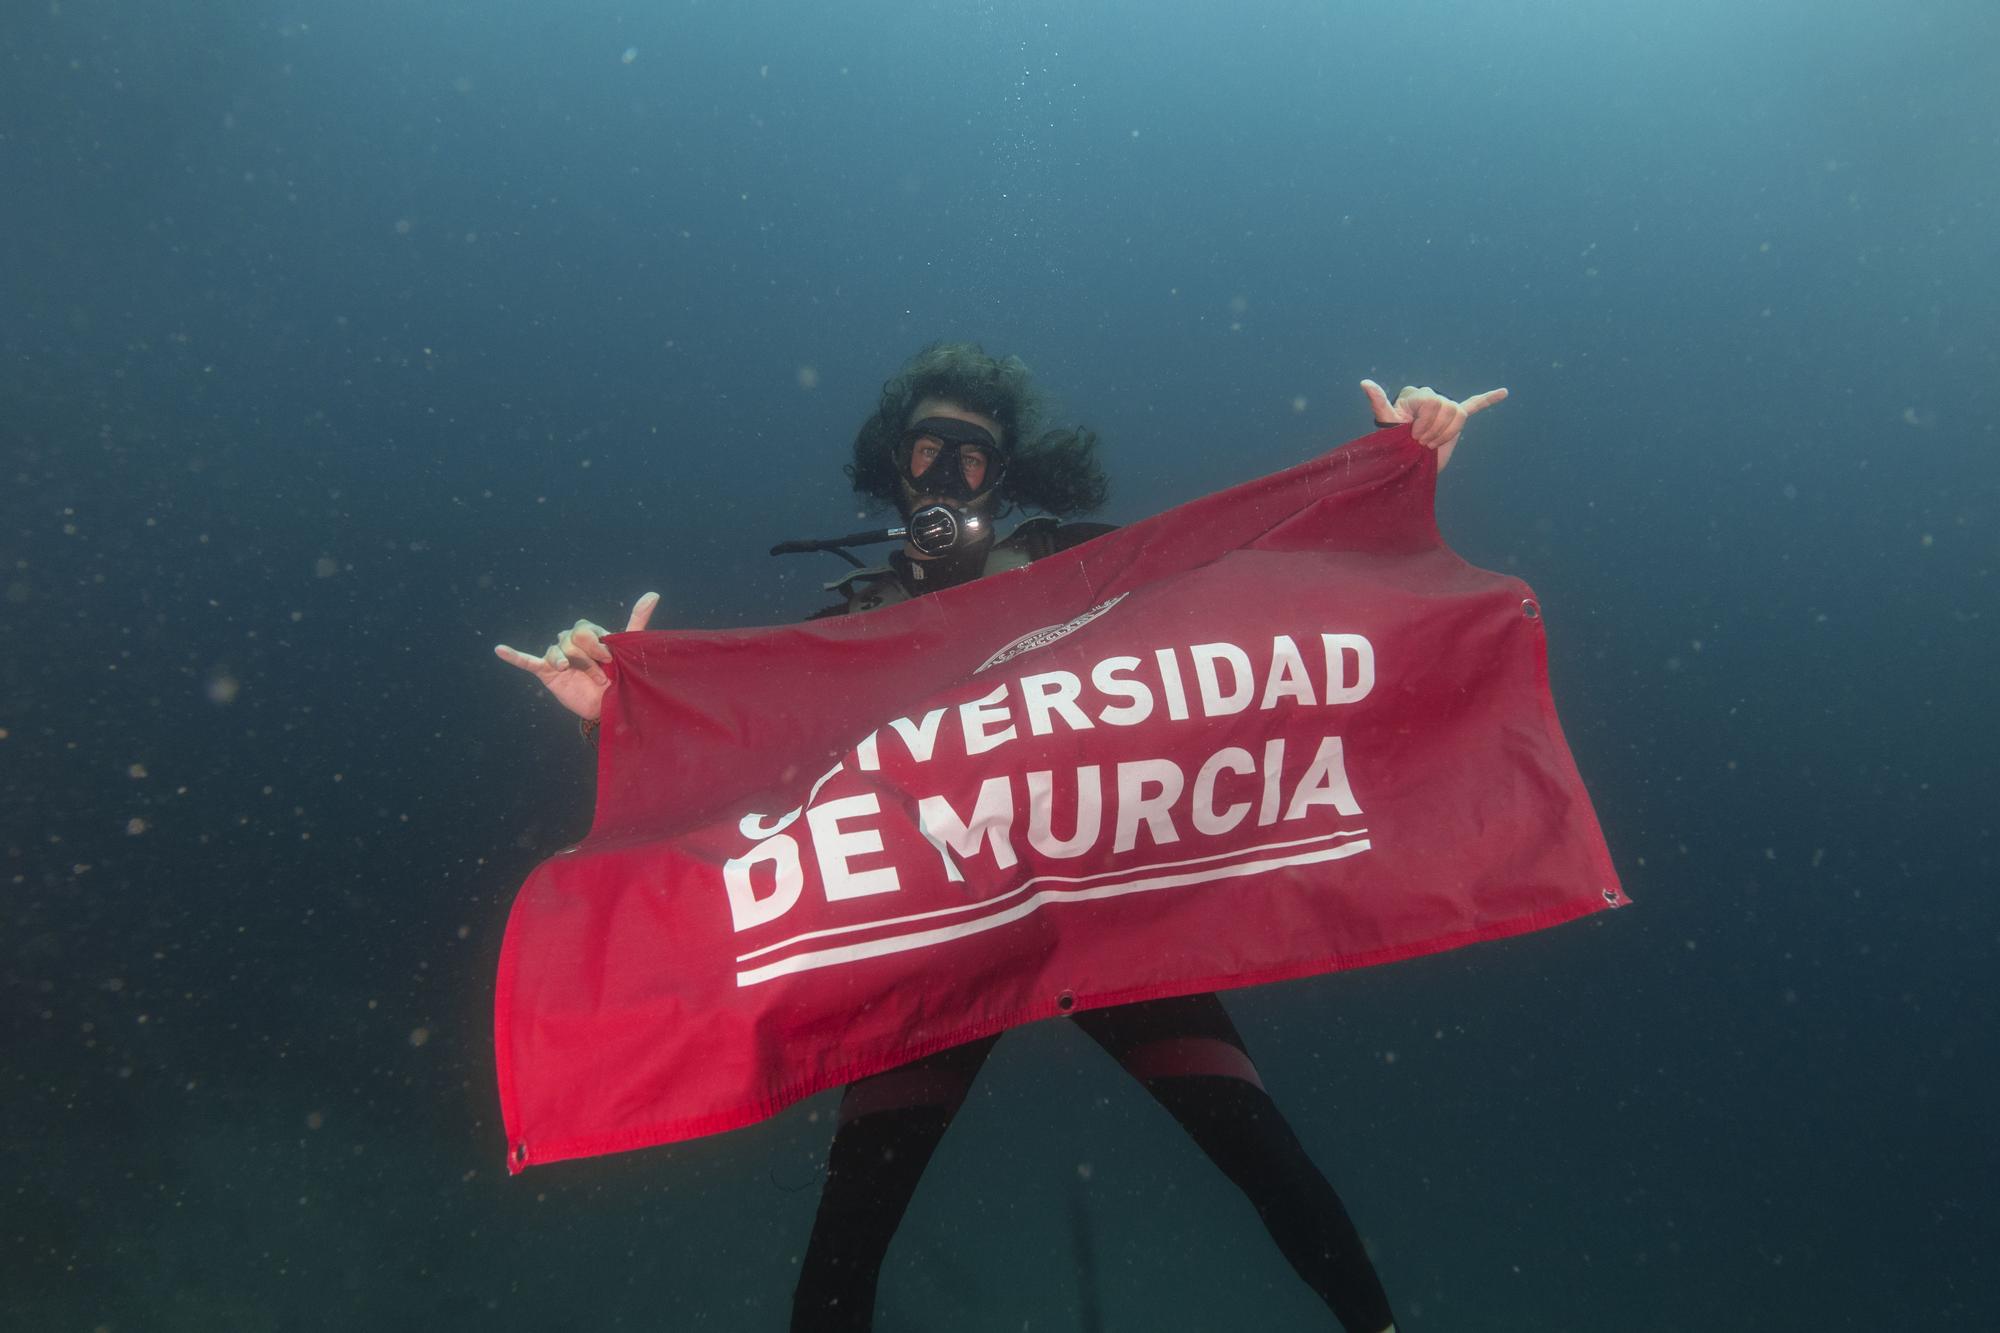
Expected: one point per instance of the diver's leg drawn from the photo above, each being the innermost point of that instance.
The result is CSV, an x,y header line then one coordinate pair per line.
x,y
890,1125
1189,1055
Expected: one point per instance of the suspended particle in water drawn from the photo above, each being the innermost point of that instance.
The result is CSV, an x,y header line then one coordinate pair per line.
x,y
1299,403
631,54
223,688
808,377
418,1036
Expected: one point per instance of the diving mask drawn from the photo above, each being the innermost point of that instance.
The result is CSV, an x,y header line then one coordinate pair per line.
x,y
945,458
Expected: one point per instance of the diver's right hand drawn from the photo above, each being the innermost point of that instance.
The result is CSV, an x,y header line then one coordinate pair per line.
x,y
570,668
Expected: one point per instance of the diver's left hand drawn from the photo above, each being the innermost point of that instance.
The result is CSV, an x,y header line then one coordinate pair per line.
x,y
1434,420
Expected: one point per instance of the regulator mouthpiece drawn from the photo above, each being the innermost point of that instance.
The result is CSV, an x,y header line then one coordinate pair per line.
x,y
939,529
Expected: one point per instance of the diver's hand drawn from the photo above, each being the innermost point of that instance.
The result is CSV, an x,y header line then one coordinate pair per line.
x,y
1434,419
570,668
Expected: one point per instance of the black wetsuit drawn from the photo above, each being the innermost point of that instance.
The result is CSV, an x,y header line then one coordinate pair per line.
x,y
1185,1051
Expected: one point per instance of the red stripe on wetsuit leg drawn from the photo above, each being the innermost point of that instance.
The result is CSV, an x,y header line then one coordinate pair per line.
x,y
1177,1057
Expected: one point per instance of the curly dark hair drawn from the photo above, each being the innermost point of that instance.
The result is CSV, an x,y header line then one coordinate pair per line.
x,y
1055,471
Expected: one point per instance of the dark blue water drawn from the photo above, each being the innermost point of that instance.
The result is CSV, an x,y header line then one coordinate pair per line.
x,y
340,341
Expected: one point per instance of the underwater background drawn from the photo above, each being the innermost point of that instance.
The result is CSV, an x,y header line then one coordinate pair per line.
x,y
339,341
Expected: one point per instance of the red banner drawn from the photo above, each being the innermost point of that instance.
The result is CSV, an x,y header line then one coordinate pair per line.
x,y
1279,731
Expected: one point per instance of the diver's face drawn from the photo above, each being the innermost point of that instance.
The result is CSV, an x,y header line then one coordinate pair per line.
x,y
973,462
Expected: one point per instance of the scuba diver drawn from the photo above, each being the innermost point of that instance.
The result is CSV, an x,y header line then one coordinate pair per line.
x,y
954,445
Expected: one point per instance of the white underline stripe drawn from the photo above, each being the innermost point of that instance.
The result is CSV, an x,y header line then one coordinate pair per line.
x,y
1025,885
875,948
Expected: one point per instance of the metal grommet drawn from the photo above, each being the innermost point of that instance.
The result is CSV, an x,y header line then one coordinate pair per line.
x,y
521,1154
1530,609
1066,1001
